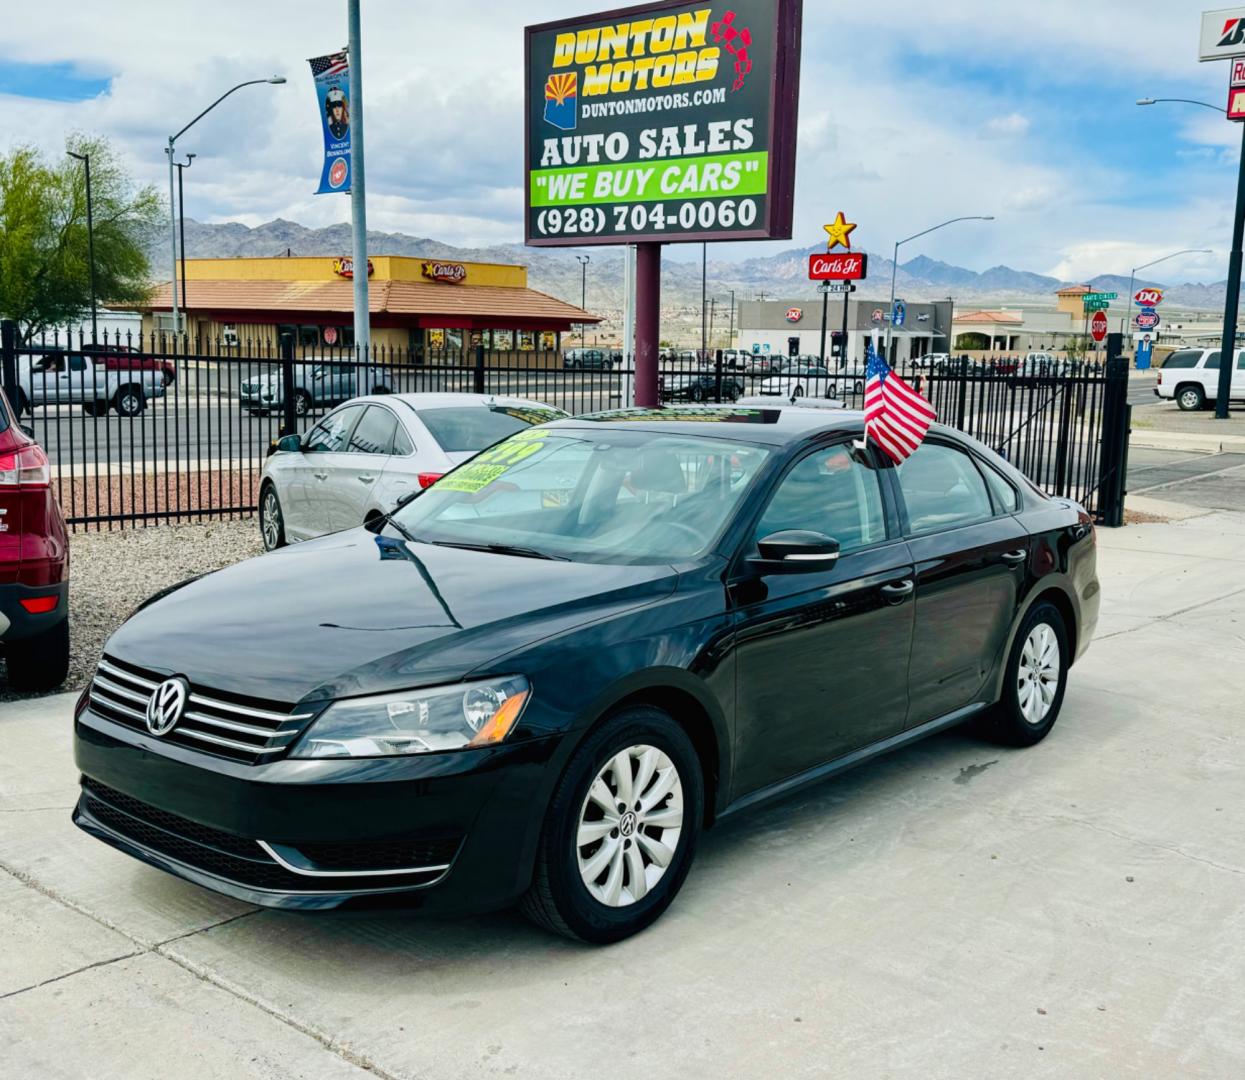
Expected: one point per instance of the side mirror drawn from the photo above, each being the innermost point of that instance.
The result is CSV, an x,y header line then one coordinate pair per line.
x,y
796,551
290,444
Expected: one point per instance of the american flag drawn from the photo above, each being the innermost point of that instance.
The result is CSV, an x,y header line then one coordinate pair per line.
x,y
896,416
329,65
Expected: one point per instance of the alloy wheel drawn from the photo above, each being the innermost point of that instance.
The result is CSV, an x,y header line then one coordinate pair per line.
x,y
629,825
1037,677
268,516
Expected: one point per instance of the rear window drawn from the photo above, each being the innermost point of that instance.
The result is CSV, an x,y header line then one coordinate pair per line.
x,y
1186,358
472,427
4,412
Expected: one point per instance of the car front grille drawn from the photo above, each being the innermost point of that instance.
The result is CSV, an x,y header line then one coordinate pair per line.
x,y
362,866
240,729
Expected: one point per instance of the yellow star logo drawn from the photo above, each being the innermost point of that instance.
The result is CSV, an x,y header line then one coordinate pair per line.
x,y
839,232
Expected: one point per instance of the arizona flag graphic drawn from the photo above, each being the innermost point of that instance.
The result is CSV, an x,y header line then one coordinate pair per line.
x,y
561,100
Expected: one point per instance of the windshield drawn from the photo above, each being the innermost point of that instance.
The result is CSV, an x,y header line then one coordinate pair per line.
x,y
472,427
595,496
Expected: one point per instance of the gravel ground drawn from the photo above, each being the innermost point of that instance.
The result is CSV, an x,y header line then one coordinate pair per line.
x,y
112,572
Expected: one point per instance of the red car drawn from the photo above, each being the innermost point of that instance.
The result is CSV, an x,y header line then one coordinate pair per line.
x,y
34,563
128,358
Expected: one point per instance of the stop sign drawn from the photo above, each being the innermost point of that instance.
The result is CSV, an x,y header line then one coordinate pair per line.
x,y
1098,325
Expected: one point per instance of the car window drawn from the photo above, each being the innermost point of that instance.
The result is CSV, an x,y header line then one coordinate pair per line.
x,y
402,444
1240,360
1186,358
473,427
77,363
1212,361
942,489
331,433
1006,500
374,433
832,492
47,363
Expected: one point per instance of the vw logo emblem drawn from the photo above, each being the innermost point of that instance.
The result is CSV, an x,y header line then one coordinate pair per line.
x,y
166,704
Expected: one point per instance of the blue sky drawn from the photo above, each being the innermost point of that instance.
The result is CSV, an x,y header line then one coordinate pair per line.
x,y
911,112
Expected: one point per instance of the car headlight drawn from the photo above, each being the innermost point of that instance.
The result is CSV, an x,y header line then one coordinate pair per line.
x,y
418,721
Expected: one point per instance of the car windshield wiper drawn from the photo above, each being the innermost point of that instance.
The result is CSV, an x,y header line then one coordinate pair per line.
x,y
502,549
406,533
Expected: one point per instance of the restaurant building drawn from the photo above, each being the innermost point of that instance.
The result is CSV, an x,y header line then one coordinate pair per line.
x,y
417,306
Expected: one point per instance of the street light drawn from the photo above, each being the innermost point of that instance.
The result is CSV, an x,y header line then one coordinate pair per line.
x,y
1231,305
274,79
90,243
895,266
181,219
1133,277
584,260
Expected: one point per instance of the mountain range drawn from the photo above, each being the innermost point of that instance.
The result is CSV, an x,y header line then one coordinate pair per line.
x,y
781,276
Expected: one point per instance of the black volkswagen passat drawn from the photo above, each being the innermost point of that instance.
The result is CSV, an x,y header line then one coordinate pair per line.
x,y
538,681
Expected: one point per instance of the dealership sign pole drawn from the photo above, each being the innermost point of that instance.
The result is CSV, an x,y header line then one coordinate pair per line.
x,y
1223,38
671,122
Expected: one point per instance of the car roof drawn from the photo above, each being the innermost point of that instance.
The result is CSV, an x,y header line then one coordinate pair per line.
x,y
775,425
448,400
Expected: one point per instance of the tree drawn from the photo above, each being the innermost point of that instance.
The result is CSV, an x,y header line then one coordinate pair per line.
x,y
45,273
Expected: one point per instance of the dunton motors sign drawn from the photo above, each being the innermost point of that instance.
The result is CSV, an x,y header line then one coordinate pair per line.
x,y
845,266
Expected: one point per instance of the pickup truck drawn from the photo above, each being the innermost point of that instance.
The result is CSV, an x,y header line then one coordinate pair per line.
x,y
317,383
73,378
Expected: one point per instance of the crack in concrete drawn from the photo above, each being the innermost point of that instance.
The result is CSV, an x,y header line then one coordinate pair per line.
x,y
31,809
1140,841
202,974
1151,619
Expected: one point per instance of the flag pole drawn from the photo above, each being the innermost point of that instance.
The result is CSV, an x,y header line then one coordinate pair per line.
x,y
358,196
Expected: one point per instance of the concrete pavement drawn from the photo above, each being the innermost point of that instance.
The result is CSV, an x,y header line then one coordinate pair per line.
x,y
956,910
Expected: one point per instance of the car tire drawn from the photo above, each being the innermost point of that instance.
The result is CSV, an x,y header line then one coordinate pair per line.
x,y
39,663
1191,398
271,520
302,403
95,408
129,401
562,897
381,390
1033,682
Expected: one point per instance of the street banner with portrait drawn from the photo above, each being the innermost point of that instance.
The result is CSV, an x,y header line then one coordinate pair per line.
x,y
331,75
672,121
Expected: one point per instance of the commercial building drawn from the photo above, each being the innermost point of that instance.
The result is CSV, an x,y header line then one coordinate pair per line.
x,y
416,305
794,327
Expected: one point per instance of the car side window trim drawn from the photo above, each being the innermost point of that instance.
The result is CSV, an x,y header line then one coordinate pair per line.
x,y
350,449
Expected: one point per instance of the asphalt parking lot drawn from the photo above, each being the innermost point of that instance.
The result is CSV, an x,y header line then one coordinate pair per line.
x,y
1214,481
956,910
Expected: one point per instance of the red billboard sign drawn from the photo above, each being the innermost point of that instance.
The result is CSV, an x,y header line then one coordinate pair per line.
x,y
848,266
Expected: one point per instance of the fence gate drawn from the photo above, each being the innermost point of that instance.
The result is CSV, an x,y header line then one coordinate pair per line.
x,y
157,429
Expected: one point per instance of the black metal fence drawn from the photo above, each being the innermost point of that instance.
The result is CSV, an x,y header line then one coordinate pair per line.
x,y
152,430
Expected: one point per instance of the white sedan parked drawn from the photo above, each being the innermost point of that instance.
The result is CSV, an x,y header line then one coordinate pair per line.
x,y
362,458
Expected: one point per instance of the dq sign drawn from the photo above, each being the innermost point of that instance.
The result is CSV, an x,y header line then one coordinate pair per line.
x,y
1148,297
794,314
852,266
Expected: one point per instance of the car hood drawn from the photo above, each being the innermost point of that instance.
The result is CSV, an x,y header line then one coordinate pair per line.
x,y
357,613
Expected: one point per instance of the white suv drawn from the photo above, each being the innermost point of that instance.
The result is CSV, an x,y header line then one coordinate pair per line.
x,y
1191,376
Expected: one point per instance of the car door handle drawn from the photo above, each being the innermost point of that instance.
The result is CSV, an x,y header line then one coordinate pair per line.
x,y
898,591
1015,557
321,475
367,479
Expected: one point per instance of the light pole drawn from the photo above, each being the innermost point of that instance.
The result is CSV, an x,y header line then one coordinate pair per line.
x,y
584,260
895,266
181,219
1227,349
90,243
1132,277
275,79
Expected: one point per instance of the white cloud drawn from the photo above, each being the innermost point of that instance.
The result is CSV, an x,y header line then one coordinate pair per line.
x,y
1011,126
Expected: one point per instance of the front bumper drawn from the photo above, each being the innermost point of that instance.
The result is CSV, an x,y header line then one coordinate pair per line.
x,y
454,832
16,622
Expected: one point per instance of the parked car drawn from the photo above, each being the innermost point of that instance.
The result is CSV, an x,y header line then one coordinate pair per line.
x,y
587,358
317,383
1042,365
130,358
735,358
74,378
539,680
1190,377
699,387
34,563
802,380
931,361
362,459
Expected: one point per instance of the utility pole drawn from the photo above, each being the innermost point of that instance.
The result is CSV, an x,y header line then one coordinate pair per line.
x,y
704,303
730,341
90,243
358,191
584,260
181,218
